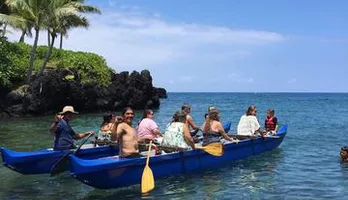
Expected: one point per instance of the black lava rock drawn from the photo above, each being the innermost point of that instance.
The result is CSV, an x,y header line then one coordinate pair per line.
x,y
50,92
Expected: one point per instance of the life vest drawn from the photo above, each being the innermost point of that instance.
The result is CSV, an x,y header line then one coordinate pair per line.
x,y
269,124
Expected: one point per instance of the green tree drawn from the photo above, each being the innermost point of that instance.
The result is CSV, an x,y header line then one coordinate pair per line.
x,y
56,16
26,30
4,9
27,13
64,15
66,25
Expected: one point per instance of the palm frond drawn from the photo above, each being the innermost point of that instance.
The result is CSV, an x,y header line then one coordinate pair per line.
x,y
88,9
13,20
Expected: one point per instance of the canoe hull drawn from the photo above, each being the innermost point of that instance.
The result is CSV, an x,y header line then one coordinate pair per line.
x,y
115,172
41,161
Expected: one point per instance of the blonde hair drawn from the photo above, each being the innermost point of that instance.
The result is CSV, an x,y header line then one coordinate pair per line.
x,y
212,115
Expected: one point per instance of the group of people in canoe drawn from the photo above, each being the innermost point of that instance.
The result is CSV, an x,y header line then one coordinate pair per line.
x,y
181,132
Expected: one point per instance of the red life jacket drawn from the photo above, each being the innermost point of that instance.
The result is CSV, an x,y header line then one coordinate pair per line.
x,y
269,124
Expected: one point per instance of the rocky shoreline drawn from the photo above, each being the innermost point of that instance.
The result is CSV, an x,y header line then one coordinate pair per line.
x,y
56,88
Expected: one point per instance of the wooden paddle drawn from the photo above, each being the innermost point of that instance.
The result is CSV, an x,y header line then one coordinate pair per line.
x,y
215,149
60,165
147,179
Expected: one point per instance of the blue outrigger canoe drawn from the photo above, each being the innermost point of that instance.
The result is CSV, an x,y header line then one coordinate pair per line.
x,y
115,172
41,161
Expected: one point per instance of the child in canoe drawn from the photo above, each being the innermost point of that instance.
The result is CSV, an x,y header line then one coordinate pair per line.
x,y
271,122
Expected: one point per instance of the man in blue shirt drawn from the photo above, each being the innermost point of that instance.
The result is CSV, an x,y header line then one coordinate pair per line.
x,y
64,134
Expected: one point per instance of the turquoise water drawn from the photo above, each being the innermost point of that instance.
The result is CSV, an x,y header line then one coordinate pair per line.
x,y
305,166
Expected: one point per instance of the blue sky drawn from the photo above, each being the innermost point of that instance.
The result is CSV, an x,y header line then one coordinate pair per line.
x,y
225,45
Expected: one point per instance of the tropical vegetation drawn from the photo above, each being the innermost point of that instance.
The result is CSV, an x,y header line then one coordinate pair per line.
x,y
57,17
91,67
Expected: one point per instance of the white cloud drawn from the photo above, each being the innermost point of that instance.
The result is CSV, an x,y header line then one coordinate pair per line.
x,y
137,40
133,23
130,39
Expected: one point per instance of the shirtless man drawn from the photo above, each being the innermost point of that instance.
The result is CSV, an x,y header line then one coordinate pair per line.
x,y
186,108
126,135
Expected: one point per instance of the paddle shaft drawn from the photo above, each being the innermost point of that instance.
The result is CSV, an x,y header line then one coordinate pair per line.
x,y
148,154
59,166
82,143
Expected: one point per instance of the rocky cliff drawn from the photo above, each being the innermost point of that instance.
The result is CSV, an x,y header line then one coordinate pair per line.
x,y
59,87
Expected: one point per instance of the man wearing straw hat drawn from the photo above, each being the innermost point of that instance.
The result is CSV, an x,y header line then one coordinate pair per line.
x,y
64,134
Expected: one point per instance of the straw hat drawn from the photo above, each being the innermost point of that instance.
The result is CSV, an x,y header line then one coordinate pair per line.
x,y
68,109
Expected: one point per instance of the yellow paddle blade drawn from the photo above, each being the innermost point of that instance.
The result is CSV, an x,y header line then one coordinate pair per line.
x,y
147,180
215,149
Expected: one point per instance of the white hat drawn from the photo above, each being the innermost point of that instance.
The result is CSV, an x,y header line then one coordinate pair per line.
x,y
68,109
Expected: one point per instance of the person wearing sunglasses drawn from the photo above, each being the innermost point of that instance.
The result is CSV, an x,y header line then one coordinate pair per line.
x,y
147,128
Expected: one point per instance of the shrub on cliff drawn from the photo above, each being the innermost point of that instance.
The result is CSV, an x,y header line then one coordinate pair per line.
x,y
91,67
13,64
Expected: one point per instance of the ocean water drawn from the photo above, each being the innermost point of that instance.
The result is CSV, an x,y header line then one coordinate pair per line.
x,y
305,166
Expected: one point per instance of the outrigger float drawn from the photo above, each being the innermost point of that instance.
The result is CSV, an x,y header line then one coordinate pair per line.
x,y
42,161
